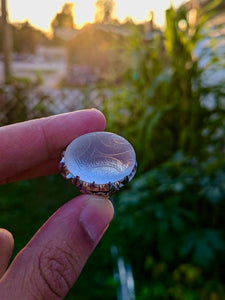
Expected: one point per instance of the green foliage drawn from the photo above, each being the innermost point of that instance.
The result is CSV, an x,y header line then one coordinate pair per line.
x,y
159,109
172,214
22,100
172,217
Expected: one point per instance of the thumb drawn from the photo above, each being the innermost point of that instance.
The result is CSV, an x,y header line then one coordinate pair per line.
x,y
51,262
6,249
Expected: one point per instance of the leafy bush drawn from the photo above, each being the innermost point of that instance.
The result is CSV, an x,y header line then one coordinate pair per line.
x,y
171,217
172,214
159,108
22,100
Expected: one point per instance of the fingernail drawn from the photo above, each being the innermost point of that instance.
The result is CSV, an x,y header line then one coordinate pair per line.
x,y
96,216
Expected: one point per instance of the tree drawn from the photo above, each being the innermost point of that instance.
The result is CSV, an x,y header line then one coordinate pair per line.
x,y
104,11
6,42
26,38
65,18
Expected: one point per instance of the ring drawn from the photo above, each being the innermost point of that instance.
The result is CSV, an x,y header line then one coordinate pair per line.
x,y
98,163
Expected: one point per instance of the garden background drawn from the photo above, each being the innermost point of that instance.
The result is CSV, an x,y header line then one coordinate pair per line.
x,y
164,91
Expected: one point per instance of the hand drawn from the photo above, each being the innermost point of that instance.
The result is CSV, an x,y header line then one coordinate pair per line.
x,y
51,262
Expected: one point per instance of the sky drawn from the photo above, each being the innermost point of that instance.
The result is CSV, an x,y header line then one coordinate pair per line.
x,y
40,13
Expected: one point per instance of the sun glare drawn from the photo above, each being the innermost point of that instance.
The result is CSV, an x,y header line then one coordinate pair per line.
x,y
36,12
84,12
40,13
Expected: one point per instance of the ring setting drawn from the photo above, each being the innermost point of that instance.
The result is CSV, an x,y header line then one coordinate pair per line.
x,y
98,163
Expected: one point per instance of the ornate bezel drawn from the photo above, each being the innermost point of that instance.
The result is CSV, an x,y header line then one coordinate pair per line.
x,y
91,187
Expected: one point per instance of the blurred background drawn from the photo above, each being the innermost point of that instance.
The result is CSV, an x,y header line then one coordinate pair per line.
x,y
156,69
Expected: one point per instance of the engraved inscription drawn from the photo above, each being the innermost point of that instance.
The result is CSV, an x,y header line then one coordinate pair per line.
x,y
100,157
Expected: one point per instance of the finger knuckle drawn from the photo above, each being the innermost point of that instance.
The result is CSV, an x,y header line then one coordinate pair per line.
x,y
57,267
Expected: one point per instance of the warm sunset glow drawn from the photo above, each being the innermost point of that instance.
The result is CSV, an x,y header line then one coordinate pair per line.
x,y
40,13
84,11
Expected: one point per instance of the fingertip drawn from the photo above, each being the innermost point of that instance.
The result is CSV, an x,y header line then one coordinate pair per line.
x,y
62,129
99,116
6,237
6,248
96,216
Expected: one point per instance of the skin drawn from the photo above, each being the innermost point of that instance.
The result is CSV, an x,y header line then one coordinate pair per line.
x,y
48,266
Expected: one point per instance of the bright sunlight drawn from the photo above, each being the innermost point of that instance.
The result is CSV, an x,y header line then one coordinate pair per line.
x,y
40,13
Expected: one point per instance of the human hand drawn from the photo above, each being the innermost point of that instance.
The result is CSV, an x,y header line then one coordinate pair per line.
x,y
51,262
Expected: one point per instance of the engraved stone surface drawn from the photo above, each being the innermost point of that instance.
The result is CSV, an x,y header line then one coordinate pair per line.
x,y
100,158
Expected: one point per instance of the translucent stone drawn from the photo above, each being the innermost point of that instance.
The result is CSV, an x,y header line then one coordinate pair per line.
x,y
100,158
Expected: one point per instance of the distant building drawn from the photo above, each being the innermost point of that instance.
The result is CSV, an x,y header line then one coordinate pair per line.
x,y
65,34
51,54
97,53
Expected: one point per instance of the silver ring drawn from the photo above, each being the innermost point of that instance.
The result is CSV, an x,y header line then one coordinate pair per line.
x,y
98,163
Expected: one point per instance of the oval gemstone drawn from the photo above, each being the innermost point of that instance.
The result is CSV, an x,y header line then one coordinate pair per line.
x,y
98,162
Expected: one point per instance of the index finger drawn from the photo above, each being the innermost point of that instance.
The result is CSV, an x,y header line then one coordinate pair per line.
x,y
29,144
